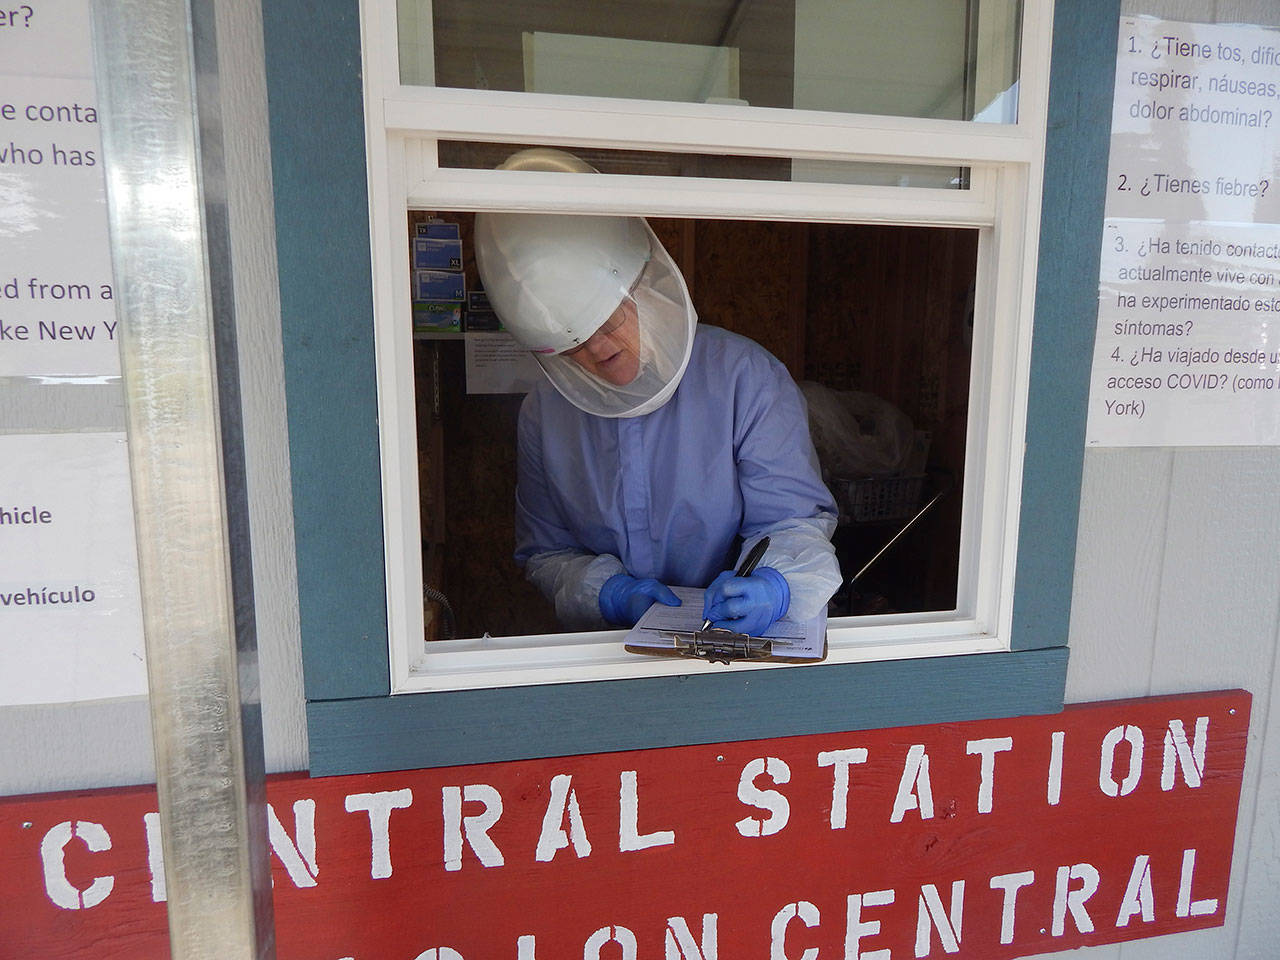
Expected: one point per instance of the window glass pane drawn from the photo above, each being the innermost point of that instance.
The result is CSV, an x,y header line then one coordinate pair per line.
x,y
912,58
487,156
873,321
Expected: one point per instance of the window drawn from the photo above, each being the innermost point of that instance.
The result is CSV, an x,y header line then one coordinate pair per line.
x,y
918,58
722,135
325,163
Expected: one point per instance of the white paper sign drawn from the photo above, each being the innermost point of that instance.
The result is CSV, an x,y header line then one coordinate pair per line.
x,y
70,613
47,38
57,316
496,363
1188,343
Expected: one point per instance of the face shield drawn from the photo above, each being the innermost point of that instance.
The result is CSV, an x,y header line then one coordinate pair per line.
x,y
633,361
597,300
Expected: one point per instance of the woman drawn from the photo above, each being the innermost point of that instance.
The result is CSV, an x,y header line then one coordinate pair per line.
x,y
658,448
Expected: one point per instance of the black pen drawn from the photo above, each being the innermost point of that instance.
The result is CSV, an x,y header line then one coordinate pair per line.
x,y
748,564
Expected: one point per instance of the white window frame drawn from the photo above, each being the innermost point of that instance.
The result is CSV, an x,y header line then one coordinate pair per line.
x,y
403,125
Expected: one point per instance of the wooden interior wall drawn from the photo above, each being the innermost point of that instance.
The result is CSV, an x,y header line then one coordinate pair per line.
x,y
875,309
750,279
890,314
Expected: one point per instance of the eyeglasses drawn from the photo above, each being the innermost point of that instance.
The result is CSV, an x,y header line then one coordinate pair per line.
x,y
616,320
619,316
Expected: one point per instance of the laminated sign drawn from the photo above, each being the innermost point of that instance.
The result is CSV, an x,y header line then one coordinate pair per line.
x,y
1189,292
988,839
57,307
70,608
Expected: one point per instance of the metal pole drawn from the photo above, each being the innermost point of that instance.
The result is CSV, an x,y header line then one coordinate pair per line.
x,y
157,78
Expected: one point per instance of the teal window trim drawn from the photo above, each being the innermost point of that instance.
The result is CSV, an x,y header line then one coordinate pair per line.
x,y
316,114
1078,141
442,729
318,162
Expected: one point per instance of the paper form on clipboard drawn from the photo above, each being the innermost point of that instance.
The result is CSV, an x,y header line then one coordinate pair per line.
x,y
791,639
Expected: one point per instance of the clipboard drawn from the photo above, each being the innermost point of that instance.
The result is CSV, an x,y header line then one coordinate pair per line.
x,y
674,632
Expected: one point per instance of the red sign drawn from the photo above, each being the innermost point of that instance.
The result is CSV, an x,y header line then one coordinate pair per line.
x,y
989,839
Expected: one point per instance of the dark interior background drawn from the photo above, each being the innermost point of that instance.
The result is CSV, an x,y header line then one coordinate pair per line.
x,y
884,310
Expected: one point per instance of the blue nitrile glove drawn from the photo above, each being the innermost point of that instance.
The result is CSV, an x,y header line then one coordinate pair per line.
x,y
624,599
747,605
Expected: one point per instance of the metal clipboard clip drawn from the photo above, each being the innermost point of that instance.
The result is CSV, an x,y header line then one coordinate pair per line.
x,y
717,645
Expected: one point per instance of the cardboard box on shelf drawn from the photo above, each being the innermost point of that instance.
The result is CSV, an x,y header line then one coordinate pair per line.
x,y
437,316
430,253
439,285
437,230
480,315
482,323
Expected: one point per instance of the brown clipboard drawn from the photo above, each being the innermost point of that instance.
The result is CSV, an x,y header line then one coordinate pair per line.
x,y
676,632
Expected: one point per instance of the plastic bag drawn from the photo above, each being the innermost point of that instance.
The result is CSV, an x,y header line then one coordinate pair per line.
x,y
857,434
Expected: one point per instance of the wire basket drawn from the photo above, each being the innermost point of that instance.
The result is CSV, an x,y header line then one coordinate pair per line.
x,y
870,499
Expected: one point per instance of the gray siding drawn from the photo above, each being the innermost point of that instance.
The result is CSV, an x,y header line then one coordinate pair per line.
x,y
1177,588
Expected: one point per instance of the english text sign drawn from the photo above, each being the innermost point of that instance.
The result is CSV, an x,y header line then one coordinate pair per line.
x,y
988,839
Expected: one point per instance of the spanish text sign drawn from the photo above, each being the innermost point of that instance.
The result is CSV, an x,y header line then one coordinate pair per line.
x,y
70,611
1188,343
989,839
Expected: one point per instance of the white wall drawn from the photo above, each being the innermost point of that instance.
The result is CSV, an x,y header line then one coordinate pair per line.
x,y
902,59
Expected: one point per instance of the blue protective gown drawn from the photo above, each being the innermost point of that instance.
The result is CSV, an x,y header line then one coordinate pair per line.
x,y
666,495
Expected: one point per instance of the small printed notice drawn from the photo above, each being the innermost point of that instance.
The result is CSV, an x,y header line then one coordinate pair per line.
x,y
70,612
1188,342
496,363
